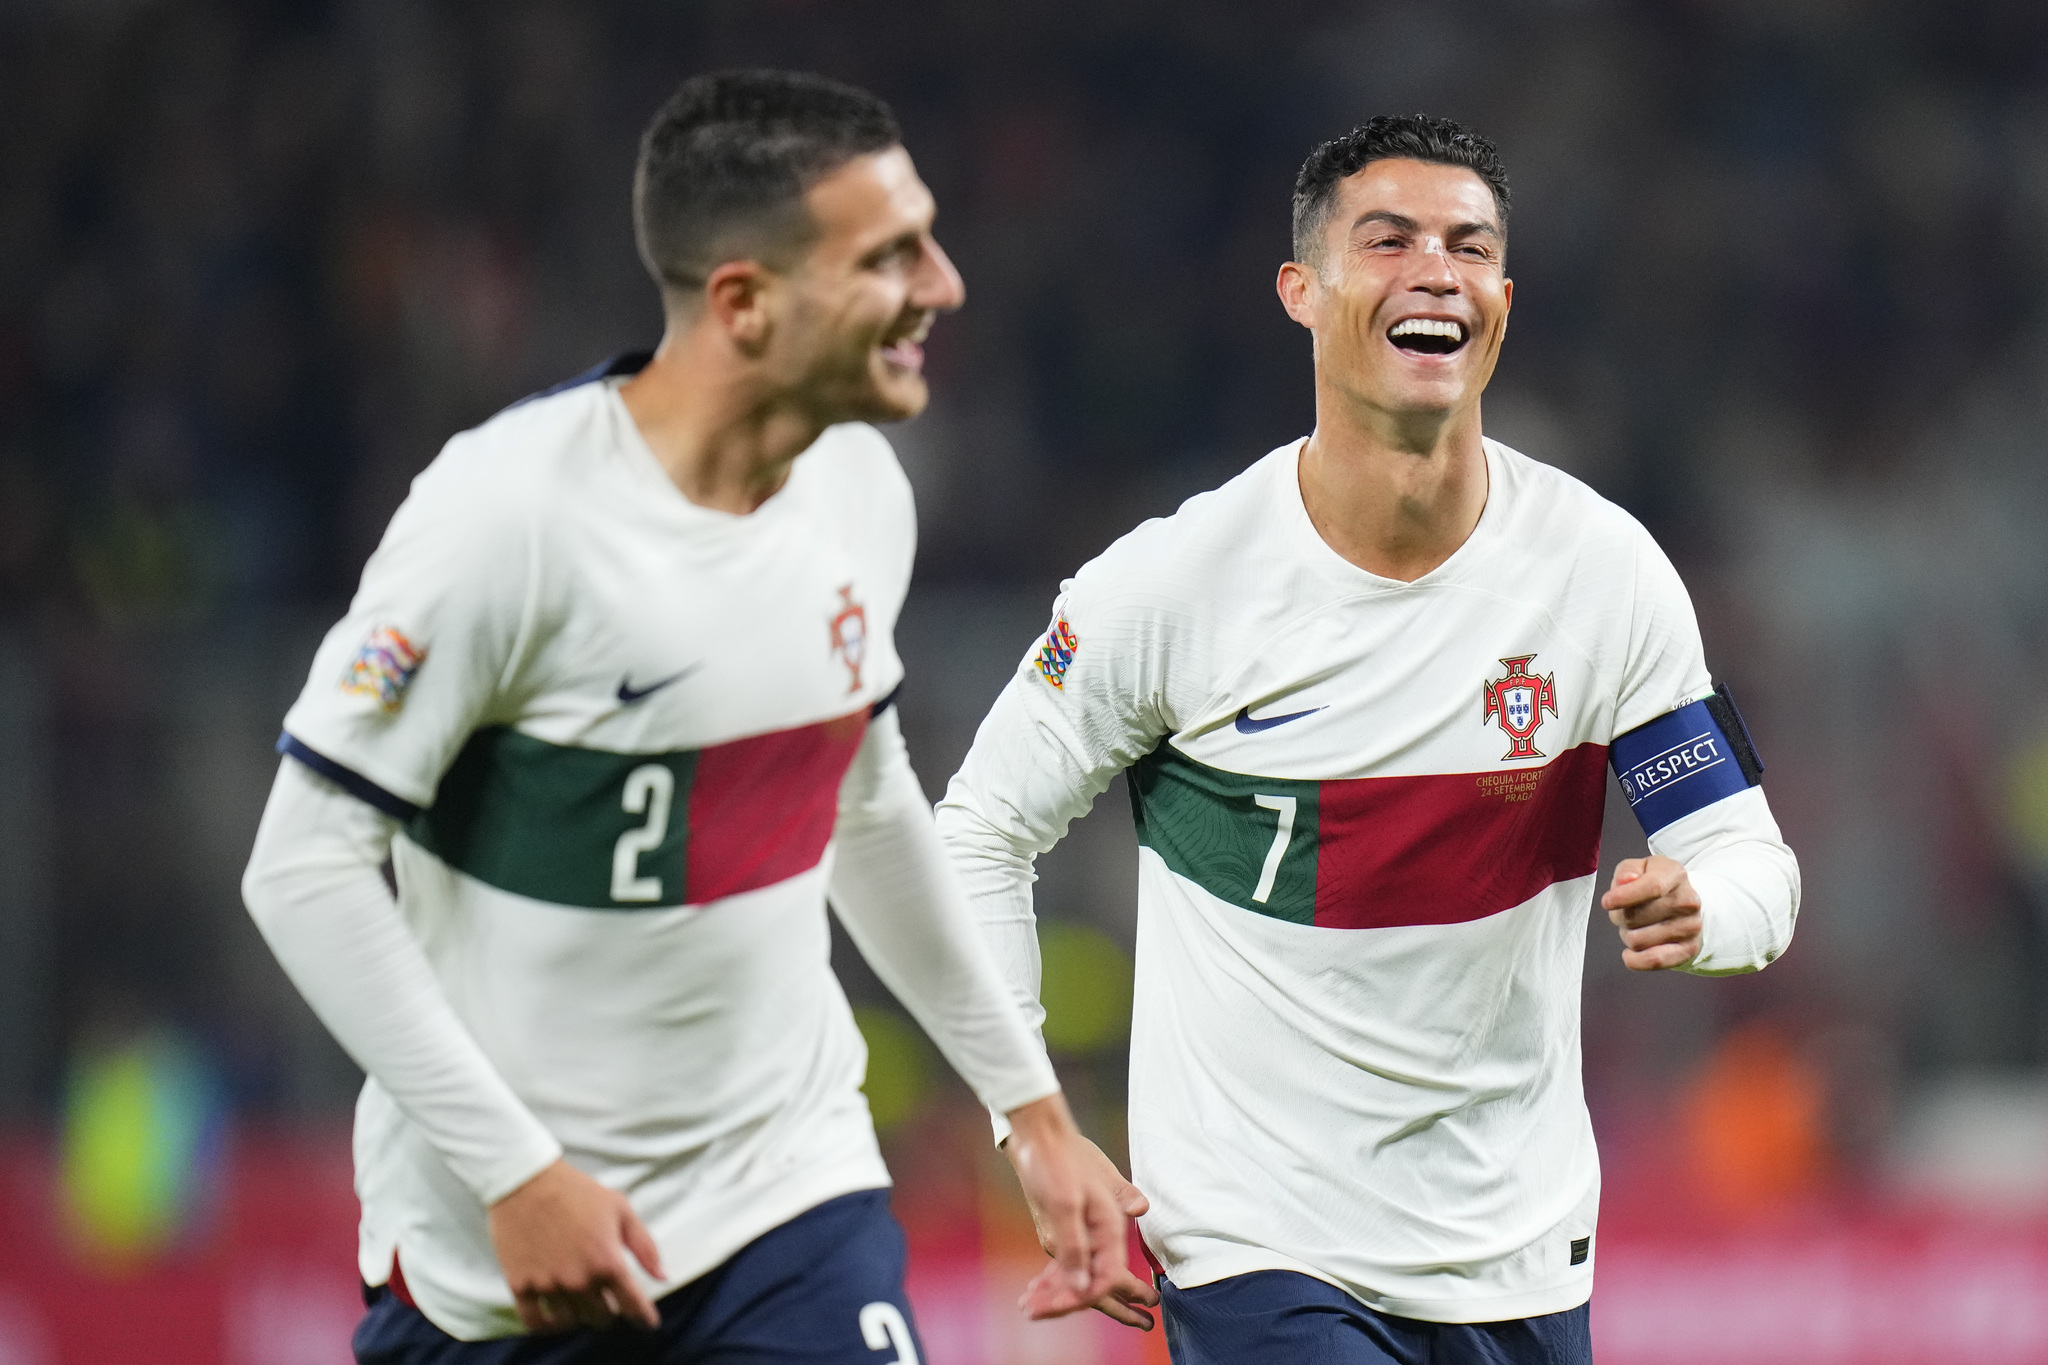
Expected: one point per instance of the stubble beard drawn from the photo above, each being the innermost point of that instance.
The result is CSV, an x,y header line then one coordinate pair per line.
x,y
847,389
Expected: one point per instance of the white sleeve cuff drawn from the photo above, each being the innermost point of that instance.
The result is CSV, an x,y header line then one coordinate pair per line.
x,y
1747,879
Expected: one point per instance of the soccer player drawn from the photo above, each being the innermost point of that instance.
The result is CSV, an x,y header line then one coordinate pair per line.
x,y
614,697
1365,694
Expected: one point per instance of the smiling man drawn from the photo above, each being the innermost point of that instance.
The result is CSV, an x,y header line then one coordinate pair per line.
x,y
615,698
1366,694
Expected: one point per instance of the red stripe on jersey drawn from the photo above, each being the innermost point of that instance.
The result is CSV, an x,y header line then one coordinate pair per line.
x,y
1450,847
761,809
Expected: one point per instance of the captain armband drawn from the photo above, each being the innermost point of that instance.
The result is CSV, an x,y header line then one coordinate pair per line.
x,y
1686,760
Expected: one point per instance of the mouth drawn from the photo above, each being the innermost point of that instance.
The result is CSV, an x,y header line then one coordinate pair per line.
x,y
906,351
1428,336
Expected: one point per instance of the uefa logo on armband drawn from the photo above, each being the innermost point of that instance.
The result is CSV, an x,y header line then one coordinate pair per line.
x,y
1057,652
383,666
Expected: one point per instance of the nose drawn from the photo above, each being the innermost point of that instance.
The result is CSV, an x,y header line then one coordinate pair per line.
x,y
1434,273
937,284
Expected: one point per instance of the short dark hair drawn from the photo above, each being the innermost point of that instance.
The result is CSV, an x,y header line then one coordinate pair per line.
x,y
724,166
1413,137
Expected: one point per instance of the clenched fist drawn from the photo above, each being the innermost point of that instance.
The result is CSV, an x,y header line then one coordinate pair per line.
x,y
1653,904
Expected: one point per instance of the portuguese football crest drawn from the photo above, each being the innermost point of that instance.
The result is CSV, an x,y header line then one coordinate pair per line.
x,y
850,635
1519,700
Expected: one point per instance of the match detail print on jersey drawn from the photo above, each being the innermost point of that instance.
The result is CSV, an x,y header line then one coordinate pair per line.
x,y
1686,760
1373,852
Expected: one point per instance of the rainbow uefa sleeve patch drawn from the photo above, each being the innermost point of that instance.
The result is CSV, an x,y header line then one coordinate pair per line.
x,y
1057,652
383,666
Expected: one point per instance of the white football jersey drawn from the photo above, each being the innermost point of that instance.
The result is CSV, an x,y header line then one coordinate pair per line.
x,y
1369,821
615,724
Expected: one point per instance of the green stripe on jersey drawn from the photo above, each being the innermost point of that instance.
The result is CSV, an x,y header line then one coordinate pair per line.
x,y
1250,841
571,826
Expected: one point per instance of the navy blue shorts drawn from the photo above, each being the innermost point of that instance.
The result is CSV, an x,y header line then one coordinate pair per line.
x,y
1276,1316
825,1288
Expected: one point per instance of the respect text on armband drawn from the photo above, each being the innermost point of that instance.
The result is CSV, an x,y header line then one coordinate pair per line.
x,y
1688,758
1685,760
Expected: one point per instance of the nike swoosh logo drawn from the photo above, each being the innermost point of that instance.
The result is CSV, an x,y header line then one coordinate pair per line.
x,y
1247,726
628,694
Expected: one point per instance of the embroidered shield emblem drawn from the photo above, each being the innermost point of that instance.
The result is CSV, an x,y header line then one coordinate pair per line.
x,y
1518,701
850,636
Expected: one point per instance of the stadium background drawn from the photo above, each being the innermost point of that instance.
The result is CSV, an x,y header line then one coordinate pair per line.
x,y
1783,293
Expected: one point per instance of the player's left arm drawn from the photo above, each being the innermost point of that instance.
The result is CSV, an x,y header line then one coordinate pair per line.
x,y
901,903
1717,897
1719,893
897,896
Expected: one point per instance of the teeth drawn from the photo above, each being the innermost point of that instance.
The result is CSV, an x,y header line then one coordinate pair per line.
x,y
1428,327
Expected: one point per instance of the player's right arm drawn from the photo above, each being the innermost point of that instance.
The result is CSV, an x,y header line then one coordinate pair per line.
x,y
1088,699
426,653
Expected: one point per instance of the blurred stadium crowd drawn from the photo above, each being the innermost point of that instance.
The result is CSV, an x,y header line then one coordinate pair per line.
x,y
1782,291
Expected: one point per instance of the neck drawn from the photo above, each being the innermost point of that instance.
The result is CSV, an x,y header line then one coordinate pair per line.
x,y
725,435
1395,494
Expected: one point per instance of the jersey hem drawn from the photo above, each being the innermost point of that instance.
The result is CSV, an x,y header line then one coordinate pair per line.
x,y
679,1237
1210,1266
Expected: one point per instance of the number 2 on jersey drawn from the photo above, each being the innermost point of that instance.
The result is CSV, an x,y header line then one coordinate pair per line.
x,y
650,788
882,1326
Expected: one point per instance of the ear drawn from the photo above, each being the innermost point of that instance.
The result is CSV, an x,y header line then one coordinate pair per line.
x,y
736,297
1296,287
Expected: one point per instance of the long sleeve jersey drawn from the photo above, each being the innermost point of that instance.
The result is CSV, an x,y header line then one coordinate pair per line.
x,y
619,746
1368,817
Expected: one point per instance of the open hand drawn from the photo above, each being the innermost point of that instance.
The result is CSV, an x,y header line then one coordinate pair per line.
x,y
1079,1201
1654,905
562,1240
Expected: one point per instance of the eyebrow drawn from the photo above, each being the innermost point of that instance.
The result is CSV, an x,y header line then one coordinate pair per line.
x,y
1402,222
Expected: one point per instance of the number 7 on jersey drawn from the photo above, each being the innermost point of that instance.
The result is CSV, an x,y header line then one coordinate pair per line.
x,y
1281,838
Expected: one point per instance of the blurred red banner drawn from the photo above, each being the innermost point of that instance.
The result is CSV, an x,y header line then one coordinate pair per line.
x,y
267,1277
